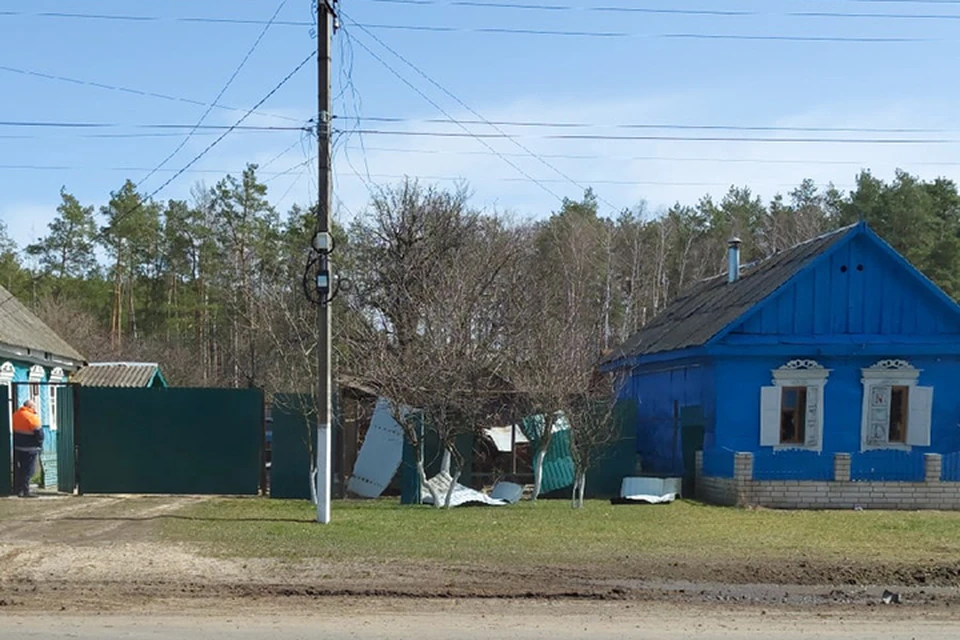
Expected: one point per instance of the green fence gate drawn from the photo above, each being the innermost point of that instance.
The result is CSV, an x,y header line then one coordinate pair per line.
x,y
6,478
290,456
168,440
66,452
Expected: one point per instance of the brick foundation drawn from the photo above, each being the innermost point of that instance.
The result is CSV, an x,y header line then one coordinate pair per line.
x,y
841,493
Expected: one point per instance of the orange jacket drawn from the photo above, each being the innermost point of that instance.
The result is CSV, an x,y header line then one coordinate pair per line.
x,y
25,420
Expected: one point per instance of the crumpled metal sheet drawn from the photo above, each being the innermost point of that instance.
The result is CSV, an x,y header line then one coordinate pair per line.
x,y
509,492
461,494
502,438
380,455
650,490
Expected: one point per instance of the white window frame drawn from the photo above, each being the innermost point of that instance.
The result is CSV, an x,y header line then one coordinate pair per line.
x,y
55,376
35,377
895,373
796,373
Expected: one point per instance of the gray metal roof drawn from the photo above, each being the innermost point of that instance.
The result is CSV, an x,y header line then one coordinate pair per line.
x,y
709,306
116,374
19,327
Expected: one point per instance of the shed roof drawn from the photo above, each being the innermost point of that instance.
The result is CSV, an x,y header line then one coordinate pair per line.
x,y
20,327
709,306
117,374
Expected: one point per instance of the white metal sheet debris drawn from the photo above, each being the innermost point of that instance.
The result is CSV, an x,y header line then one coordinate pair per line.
x,y
509,492
503,439
461,494
650,490
380,454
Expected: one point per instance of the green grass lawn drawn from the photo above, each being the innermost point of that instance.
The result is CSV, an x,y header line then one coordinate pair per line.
x,y
550,533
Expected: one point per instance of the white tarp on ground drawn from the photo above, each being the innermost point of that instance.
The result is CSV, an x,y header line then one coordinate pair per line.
x,y
380,454
503,439
650,490
461,494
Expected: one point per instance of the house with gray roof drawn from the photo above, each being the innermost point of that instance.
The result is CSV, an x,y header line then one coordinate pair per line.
x,y
823,376
33,358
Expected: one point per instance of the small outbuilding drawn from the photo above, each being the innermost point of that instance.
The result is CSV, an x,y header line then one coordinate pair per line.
x,y
120,374
824,376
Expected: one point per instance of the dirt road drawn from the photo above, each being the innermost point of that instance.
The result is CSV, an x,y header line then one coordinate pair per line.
x,y
105,556
473,620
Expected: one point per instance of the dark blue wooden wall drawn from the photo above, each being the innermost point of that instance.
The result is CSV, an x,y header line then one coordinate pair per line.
x,y
656,390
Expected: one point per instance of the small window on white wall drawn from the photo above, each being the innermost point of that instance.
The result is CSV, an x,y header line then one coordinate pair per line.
x,y
791,411
897,411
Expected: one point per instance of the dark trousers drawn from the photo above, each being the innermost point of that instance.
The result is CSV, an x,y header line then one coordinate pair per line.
x,y
24,466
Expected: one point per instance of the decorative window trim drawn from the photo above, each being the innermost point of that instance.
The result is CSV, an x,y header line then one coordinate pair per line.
x,y
56,375
37,374
7,372
895,373
796,373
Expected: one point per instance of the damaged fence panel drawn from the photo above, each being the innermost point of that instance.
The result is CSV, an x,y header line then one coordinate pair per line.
x,y
380,454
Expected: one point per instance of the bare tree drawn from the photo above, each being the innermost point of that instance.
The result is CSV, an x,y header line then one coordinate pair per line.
x,y
435,282
593,427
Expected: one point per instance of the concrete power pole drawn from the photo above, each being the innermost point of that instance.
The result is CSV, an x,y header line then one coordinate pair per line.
x,y
323,245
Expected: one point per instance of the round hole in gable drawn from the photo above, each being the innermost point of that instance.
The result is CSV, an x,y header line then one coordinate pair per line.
x,y
859,267
843,269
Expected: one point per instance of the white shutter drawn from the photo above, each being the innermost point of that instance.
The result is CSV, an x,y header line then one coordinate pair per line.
x,y
769,416
920,408
813,418
878,416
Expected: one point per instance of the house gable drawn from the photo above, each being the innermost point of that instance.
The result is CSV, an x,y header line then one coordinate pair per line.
x,y
859,287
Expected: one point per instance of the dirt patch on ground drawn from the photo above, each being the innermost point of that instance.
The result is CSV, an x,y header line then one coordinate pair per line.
x,y
105,554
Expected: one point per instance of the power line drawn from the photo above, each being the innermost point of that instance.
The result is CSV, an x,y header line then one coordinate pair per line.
x,y
651,36
435,105
463,104
524,6
666,138
206,150
118,125
55,167
563,8
216,100
683,127
635,183
146,19
531,31
137,92
106,230
664,158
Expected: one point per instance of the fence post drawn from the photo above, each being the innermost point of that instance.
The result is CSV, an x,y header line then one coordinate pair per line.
x,y
932,467
841,467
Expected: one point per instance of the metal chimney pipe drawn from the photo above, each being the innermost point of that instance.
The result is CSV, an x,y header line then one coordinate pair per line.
x,y
733,259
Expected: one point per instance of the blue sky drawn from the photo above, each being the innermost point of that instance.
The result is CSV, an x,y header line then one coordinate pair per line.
x,y
657,69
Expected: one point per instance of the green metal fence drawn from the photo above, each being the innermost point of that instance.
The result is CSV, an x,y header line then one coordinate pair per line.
x,y
290,456
181,441
6,478
66,468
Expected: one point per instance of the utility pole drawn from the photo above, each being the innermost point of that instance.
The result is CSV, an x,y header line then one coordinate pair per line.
x,y
323,245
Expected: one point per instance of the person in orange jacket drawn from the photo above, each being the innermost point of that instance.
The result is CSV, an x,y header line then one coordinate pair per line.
x,y
27,442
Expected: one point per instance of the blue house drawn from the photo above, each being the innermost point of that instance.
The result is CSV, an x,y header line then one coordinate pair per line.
x,y
34,361
827,375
